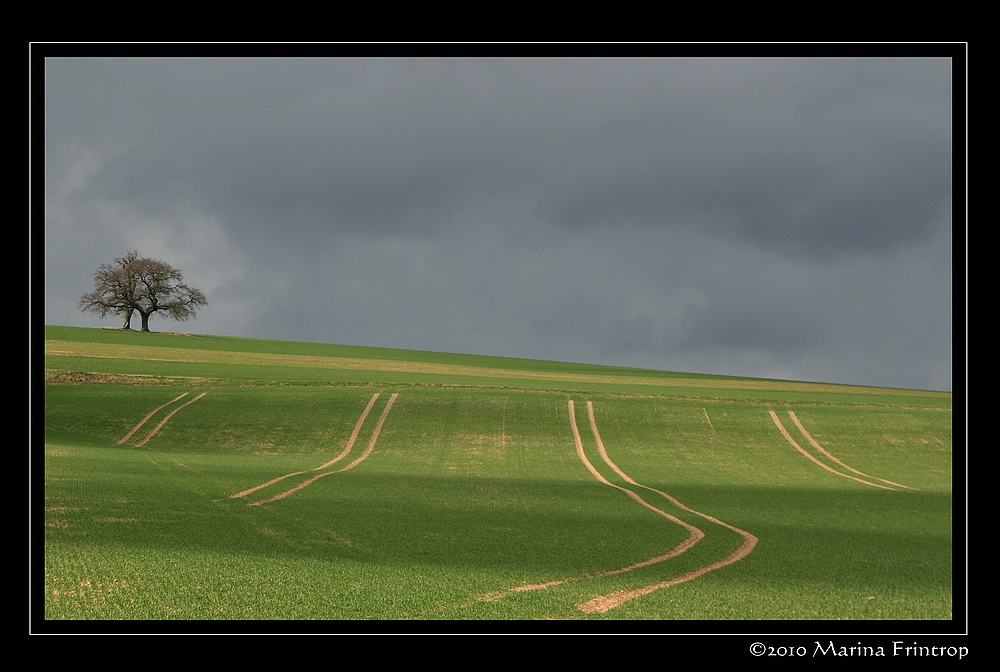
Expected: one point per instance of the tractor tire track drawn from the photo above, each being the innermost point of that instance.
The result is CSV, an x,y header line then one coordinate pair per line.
x,y
169,415
359,460
818,447
705,410
610,601
264,485
788,437
378,428
354,435
298,487
694,535
151,414
347,449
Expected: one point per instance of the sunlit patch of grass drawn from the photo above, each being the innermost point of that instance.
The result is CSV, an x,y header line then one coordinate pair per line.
x,y
474,488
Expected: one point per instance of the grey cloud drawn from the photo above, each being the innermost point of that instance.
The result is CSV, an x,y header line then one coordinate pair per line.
x,y
764,326
767,151
689,214
778,158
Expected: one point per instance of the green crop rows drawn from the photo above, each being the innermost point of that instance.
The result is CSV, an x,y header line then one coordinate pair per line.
x,y
472,501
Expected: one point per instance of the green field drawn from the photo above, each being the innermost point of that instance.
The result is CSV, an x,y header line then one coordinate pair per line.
x,y
474,500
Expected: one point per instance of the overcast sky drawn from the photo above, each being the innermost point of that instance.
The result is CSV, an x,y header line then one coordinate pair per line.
x,y
782,218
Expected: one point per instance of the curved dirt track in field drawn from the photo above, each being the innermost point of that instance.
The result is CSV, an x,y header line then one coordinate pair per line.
x,y
169,415
354,435
371,442
694,533
264,485
284,494
788,437
612,600
359,460
605,602
151,414
693,537
818,447
347,449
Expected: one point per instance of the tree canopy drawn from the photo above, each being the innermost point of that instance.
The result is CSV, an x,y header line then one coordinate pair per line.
x,y
138,284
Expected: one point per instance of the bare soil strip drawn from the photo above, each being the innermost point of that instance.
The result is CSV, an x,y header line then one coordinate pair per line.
x,y
151,414
264,485
693,538
612,600
371,442
368,450
167,354
818,447
788,437
169,415
298,487
709,420
350,443
530,586
694,533
605,602
354,435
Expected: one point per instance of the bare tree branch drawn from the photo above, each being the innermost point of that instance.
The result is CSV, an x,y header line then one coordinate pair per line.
x,y
137,284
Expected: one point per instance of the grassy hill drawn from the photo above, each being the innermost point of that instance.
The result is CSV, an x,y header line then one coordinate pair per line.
x,y
205,477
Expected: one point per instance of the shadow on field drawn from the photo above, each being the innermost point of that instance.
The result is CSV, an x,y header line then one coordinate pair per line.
x,y
527,530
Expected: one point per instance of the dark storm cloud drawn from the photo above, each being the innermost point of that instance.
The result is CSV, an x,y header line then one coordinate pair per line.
x,y
814,157
766,327
694,214
770,152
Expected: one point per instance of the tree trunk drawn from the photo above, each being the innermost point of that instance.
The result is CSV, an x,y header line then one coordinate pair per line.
x,y
128,321
145,320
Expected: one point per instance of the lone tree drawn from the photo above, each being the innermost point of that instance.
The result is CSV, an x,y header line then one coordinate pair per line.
x,y
136,284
